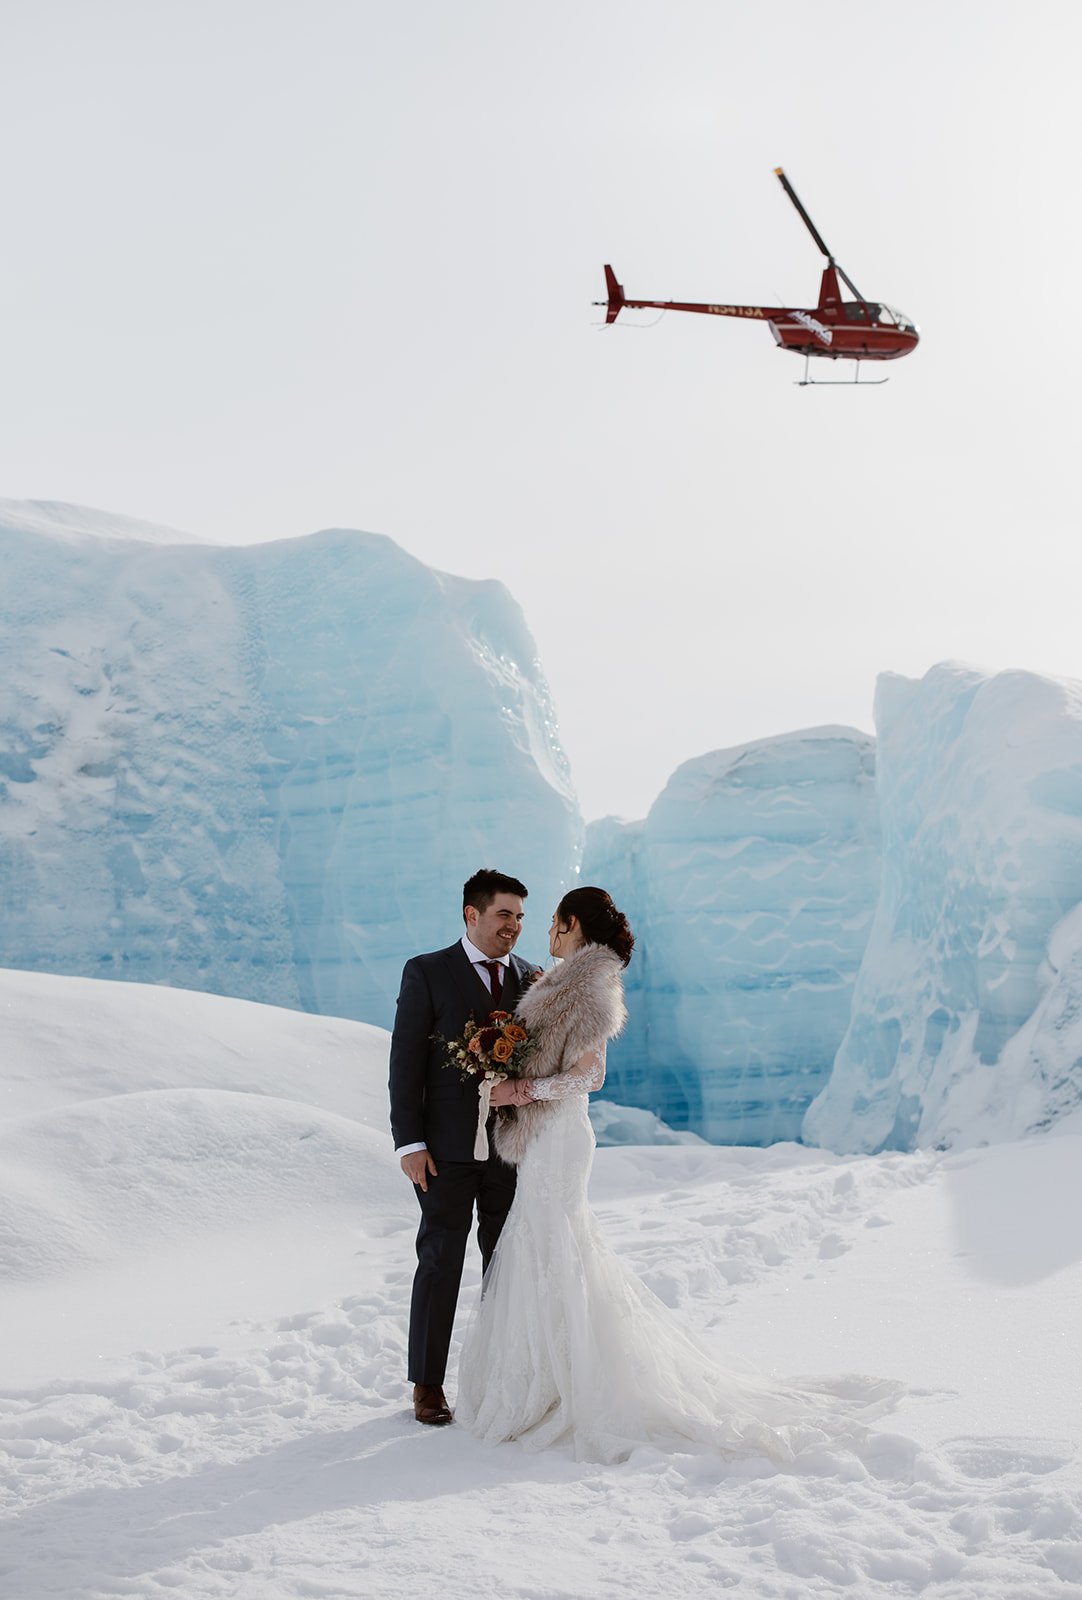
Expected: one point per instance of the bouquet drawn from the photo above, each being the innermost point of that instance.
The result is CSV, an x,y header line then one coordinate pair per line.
x,y
491,1050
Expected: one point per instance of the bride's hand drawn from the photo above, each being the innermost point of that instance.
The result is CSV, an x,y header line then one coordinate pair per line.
x,y
503,1093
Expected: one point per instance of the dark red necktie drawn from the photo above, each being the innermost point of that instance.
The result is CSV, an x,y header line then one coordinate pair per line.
x,y
495,973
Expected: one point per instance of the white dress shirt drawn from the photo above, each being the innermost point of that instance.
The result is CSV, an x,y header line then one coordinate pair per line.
x,y
478,958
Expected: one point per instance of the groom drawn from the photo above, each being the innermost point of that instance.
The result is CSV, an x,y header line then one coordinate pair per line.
x,y
434,1116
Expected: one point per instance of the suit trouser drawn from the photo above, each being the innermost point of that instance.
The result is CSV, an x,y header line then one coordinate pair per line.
x,y
446,1218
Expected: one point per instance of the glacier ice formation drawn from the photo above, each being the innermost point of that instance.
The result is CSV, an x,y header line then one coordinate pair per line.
x,y
266,771
260,771
966,1021
751,886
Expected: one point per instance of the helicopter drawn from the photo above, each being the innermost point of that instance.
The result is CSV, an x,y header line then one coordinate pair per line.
x,y
855,330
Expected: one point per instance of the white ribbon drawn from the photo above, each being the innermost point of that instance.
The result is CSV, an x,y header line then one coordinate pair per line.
x,y
480,1144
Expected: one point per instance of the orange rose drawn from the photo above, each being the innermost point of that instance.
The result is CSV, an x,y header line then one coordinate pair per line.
x,y
502,1050
514,1033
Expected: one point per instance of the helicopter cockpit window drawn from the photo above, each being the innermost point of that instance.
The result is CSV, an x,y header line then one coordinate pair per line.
x,y
855,311
891,315
886,315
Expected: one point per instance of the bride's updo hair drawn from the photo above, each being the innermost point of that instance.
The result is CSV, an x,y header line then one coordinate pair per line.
x,y
599,920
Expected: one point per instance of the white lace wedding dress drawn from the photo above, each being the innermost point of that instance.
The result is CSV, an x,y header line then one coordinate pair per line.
x,y
566,1345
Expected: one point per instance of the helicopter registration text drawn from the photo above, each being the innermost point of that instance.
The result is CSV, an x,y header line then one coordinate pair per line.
x,y
735,311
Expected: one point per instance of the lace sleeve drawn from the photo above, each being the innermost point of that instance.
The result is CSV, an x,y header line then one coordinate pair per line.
x,y
582,1077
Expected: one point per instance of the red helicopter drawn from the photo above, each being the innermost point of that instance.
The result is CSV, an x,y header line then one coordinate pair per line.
x,y
836,329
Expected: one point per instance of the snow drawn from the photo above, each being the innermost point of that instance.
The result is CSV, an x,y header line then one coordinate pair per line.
x,y
966,1022
263,771
616,1124
80,525
208,1254
751,887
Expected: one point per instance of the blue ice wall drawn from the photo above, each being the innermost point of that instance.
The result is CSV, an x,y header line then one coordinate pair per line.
x,y
751,885
261,771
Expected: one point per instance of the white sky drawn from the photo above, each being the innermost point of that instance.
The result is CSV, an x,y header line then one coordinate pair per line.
x,y
269,267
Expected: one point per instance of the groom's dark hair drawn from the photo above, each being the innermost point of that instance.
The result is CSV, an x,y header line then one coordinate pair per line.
x,y
480,890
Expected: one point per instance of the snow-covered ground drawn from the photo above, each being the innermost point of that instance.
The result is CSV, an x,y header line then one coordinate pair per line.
x,y
206,1248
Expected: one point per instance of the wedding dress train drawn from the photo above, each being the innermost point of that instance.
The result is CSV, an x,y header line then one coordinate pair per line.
x,y
566,1345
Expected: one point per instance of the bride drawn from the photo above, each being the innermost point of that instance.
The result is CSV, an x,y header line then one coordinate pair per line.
x,y
566,1345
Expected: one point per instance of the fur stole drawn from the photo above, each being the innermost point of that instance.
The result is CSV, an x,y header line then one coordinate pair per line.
x,y
570,1009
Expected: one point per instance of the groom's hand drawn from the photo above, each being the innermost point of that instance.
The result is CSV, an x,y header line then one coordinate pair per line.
x,y
417,1166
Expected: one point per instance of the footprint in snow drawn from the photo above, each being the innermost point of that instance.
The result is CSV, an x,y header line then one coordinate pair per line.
x,y
1007,1457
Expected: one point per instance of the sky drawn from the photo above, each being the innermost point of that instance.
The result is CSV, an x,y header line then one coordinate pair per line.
x,y
274,267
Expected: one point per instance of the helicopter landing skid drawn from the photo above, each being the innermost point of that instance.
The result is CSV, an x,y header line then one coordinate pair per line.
x,y
815,383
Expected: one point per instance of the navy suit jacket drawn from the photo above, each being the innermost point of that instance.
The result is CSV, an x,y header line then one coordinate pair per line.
x,y
430,1100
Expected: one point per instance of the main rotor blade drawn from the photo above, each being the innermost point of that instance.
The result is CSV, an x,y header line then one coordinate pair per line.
x,y
816,235
808,223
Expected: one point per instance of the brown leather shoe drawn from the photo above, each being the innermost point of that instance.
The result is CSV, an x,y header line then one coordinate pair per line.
x,y
430,1405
